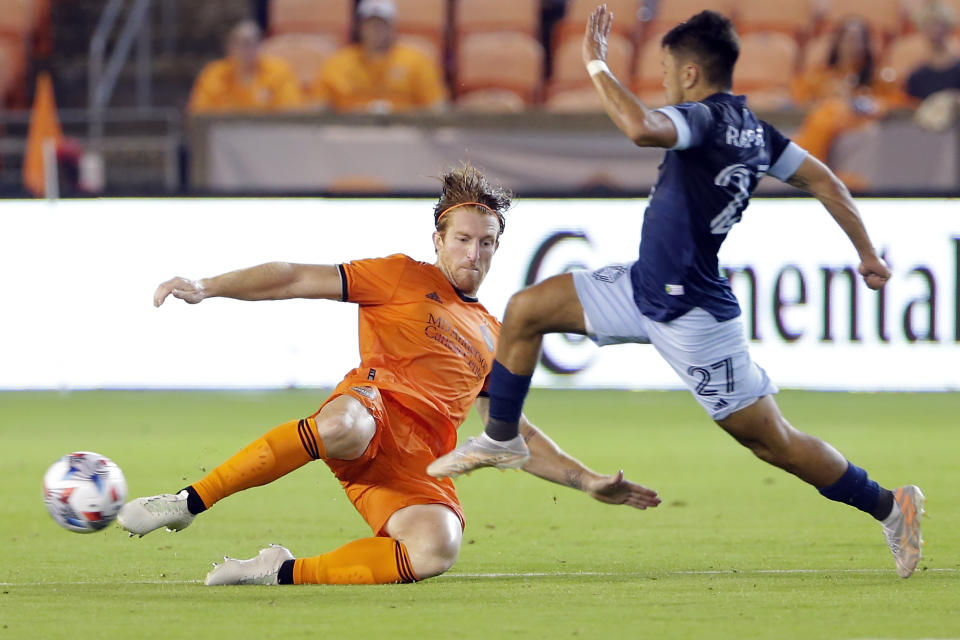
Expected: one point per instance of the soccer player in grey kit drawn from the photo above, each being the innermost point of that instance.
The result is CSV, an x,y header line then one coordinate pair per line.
x,y
673,296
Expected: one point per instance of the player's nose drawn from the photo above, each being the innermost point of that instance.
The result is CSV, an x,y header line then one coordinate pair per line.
x,y
473,251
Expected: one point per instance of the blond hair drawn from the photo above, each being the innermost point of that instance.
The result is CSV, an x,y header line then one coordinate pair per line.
x,y
467,185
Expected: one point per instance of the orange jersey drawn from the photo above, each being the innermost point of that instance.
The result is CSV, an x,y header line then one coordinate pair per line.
x,y
403,79
421,340
218,88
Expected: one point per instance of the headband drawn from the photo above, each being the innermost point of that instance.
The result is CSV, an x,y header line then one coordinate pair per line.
x,y
471,204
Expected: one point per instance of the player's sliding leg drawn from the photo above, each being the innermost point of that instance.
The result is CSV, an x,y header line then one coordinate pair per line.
x,y
551,306
763,429
342,430
424,542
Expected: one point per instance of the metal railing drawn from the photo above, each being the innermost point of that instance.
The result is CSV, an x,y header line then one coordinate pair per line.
x,y
103,72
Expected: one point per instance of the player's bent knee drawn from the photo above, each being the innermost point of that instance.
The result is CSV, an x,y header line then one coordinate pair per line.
x,y
762,429
345,437
431,558
772,442
431,534
525,309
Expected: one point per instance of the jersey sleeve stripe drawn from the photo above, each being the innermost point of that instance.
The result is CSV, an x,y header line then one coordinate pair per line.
x,y
788,162
680,123
343,284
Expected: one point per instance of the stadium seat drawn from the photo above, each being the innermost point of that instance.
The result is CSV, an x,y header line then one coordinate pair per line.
x,y
568,68
648,71
574,21
793,18
426,21
428,46
883,16
17,17
765,69
492,101
955,5
333,17
304,52
582,100
501,60
905,53
669,13
475,16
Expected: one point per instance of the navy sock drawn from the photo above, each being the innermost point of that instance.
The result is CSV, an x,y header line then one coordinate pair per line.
x,y
194,503
507,393
856,488
285,574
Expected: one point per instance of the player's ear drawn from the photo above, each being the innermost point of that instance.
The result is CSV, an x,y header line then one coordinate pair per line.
x,y
690,75
437,241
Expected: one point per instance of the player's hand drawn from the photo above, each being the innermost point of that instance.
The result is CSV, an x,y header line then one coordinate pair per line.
x,y
190,291
874,271
618,490
598,31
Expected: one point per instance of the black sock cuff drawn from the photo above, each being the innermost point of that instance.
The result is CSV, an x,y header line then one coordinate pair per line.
x,y
500,430
194,503
884,505
285,574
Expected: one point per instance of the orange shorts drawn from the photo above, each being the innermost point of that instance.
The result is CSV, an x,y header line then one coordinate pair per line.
x,y
392,472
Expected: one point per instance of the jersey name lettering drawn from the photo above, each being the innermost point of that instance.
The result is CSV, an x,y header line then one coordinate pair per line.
x,y
744,138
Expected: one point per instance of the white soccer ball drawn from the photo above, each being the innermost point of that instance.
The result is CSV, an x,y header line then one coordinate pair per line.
x,y
83,491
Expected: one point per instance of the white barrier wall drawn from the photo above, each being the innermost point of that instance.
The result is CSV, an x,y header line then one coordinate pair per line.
x,y
78,278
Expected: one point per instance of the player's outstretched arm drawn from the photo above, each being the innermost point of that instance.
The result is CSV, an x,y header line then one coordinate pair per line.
x,y
816,178
645,127
550,462
270,281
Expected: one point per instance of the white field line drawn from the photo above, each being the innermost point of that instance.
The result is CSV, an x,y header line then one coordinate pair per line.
x,y
532,574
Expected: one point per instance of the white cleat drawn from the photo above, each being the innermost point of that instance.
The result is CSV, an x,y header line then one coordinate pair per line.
x,y
478,452
143,515
262,569
902,529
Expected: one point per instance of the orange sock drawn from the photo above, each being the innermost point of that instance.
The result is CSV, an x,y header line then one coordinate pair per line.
x,y
364,561
273,455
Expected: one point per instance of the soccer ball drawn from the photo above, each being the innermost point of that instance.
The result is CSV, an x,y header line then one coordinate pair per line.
x,y
83,491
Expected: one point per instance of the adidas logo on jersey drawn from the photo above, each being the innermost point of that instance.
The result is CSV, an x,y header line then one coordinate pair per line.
x,y
433,296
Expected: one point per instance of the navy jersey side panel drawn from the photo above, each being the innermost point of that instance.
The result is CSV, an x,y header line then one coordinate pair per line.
x,y
705,183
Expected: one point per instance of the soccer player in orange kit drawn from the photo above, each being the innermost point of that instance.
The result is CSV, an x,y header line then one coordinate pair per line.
x,y
426,347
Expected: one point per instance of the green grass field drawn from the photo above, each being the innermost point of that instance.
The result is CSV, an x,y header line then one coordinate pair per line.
x,y
737,550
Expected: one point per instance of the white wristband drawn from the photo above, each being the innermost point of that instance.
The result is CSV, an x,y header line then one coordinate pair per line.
x,y
596,67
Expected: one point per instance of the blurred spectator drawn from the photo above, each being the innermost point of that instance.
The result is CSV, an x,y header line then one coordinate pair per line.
x,y
377,74
245,80
937,80
846,94
941,69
